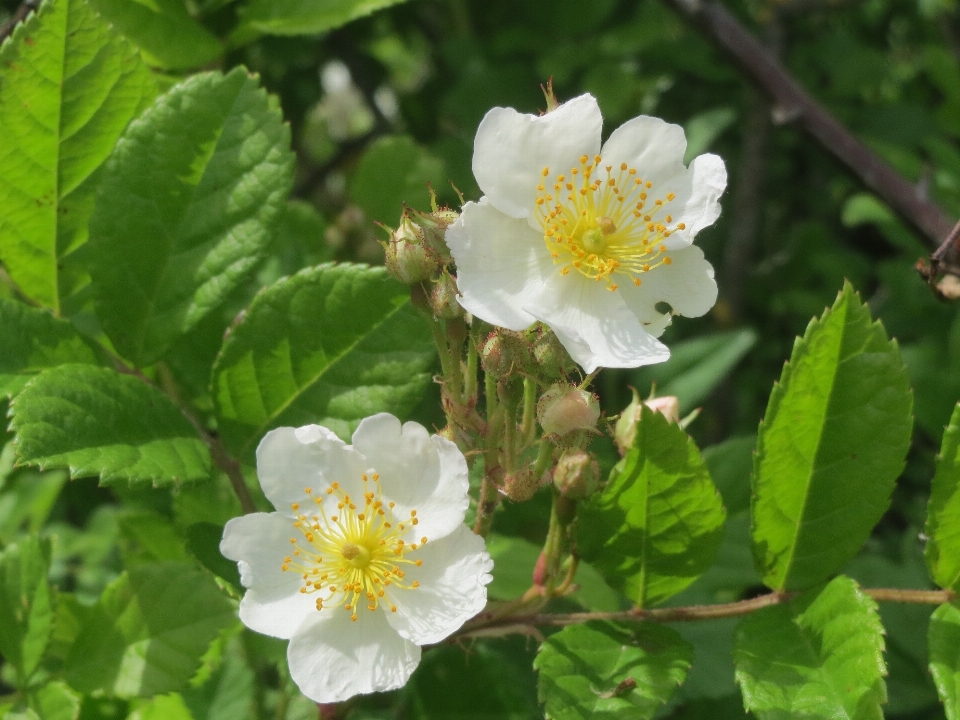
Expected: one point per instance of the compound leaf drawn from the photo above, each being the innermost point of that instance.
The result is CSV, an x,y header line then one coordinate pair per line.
x,y
604,670
830,448
658,524
186,209
96,421
820,656
81,84
295,359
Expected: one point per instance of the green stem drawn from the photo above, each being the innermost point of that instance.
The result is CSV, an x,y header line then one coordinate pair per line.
x,y
528,426
544,458
470,382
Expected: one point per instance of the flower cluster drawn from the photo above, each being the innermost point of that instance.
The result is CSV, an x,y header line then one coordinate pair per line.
x,y
366,557
584,238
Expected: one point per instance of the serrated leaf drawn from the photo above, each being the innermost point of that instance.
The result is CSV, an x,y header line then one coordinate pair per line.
x,y
230,693
820,656
393,171
82,84
294,359
149,631
658,523
303,17
26,605
164,31
186,209
34,340
55,701
943,514
604,670
945,657
98,422
203,540
830,448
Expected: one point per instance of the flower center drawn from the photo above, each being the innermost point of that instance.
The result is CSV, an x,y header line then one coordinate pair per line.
x,y
604,226
355,556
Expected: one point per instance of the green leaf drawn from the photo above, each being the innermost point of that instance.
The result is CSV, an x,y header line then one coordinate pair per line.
x,y
26,610
82,84
943,513
165,707
230,693
55,701
186,209
730,464
658,524
96,421
203,540
945,657
293,359
703,129
32,341
306,17
164,31
149,631
820,656
697,367
604,670
830,448
393,171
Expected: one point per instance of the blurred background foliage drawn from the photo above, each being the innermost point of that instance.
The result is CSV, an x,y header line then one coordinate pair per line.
x,y
390,101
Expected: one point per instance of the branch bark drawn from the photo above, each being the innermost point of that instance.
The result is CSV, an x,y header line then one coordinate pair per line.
x,y
792,102
26,7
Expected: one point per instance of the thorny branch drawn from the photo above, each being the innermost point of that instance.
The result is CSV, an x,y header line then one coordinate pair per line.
x,y
486,622
793,103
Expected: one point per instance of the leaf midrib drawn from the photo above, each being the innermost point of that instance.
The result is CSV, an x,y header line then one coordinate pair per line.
x,y
816,452
302,389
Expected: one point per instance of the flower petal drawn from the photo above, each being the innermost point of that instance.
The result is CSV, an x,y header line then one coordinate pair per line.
x,y
595,325
417,472
699,206
332,658
452,590
651,145
512,149
273,604
500,264
289,460
687,284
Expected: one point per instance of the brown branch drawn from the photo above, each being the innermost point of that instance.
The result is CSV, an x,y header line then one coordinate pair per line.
x,y
507,623
792,102
26,7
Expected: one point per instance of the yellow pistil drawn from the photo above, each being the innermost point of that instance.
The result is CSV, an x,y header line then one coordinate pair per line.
x,y
355,556
597,227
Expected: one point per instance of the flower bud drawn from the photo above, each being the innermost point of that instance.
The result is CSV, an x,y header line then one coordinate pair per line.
x,y
626,428
577,475
552,359
443,298
563,409
506,353
521,485
407,257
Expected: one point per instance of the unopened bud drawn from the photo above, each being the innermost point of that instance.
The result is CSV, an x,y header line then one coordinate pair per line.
x,y
553,360
626,428
506,353
563,409
443,299
577,475
407,257
521,485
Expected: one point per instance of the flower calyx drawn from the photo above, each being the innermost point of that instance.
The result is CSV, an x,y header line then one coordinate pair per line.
x,y
565,409
577,475
408,258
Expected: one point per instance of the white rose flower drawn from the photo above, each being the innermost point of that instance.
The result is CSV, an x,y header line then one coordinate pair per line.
x,y
587,240
367,557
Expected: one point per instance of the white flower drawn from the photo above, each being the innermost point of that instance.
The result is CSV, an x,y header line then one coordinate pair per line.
x,y
587,239
367,557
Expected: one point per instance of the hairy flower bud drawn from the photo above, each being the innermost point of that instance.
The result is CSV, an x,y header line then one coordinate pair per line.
x,y
407,257
577,475
552,359
443,298
563,409
521,485
626,428
506,353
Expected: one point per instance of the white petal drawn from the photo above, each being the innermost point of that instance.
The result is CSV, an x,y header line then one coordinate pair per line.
x,y
500,264
651,145
332,658
595,325
700,206
289,460
273,604
417,472
512,149
687,284
452,590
